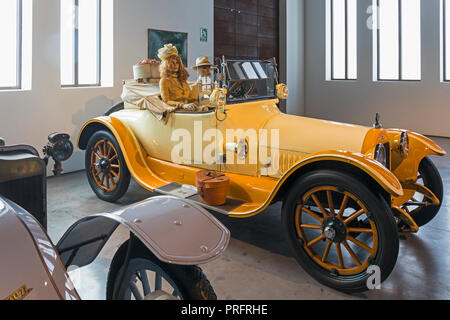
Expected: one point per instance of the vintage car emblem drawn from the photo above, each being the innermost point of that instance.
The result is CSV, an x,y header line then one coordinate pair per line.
x,y
20,293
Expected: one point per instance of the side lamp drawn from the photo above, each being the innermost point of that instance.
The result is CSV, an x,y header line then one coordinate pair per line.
x,y
60,149
282,91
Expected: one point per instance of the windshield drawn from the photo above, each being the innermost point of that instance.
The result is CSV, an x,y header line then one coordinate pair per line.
x,y
250,80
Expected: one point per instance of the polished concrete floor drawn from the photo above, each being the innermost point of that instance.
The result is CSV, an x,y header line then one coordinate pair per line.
x,y
258,264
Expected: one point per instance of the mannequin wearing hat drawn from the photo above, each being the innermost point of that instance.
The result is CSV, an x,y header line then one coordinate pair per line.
x,y
175,90
205,83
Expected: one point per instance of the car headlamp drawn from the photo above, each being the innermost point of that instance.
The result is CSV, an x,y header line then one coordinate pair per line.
x,y
404,144
282,91
59,148
380,154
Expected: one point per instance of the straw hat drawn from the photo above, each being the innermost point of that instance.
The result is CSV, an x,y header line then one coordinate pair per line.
x,y
202,62
167,51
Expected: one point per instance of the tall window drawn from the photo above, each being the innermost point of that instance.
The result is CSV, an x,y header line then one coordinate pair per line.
x,y
11,44
342,39
81,42
398,36
446,39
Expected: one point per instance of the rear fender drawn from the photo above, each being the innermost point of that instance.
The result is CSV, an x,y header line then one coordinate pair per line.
x,y
177,231
131,149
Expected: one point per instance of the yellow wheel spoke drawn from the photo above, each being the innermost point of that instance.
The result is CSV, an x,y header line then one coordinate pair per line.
x,y
349,250
109,150
115,174
320,206
343,207
354,216
330,202
312,214
339,254
98,157
359,230
327,251
98,152
115,166
113,158
112,181
360,244
311,226
317,240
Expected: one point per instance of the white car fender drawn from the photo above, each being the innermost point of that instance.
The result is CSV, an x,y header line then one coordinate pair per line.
x,y
30,267
177,231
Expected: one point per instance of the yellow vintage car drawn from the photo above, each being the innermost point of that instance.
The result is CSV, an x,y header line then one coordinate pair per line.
x,y
347,190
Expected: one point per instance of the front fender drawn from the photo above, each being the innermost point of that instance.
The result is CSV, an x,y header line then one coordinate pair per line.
x,y
420,147
386,179
177,231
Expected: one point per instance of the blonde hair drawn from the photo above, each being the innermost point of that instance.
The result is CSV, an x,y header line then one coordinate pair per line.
x,y
183,74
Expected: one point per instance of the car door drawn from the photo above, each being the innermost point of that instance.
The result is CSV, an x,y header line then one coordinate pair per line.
x,y
193,139
180,139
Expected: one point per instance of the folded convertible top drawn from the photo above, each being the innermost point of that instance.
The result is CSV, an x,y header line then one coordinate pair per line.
x,y
145,96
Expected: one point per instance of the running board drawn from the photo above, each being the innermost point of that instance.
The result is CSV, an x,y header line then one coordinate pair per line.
x,y
190,193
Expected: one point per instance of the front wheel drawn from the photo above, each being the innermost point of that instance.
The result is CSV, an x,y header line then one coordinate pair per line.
x,y
147,277
339,230
106,169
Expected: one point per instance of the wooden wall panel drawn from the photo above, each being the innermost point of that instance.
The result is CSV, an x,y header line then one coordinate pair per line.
x,y
246,29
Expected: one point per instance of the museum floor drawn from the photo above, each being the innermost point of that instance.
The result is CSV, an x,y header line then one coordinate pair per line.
x,y
258,263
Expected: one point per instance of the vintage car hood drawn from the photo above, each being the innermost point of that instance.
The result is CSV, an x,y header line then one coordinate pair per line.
x,y
308,135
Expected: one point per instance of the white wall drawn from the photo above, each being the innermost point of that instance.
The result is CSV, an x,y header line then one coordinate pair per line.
x,y
295,56
421,106
292,53
29,116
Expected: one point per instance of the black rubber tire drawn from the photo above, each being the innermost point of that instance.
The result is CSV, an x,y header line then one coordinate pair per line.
x,y
388,239
124,178
190,280
433,181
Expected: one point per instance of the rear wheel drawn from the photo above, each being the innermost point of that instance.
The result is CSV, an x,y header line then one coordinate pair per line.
x,y
106,169
338,228
420,207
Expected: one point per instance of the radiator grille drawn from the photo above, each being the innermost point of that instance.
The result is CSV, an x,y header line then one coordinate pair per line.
x,y
30,194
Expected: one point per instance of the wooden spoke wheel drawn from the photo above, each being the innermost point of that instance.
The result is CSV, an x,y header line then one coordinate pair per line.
x,y
337,228
422,207
105,165
106,169
322,227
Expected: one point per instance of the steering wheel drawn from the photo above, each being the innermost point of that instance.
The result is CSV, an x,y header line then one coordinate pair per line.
x,y
240,89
